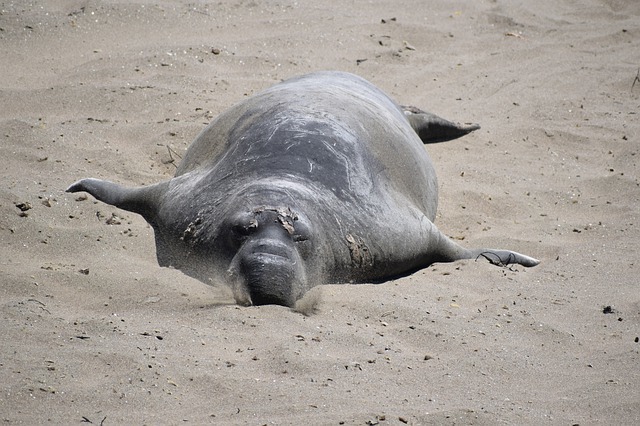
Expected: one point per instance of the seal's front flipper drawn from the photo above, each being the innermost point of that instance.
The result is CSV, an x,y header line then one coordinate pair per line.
x,y
142,200
443,249
504,257
432,128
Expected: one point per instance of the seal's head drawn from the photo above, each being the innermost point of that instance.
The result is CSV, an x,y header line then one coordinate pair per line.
x,y
262,237
271,247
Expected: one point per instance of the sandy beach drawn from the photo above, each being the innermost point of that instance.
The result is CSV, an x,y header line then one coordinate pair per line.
x,y
95,332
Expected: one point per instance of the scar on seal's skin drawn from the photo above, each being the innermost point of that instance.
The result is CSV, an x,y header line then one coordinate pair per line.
x,y
286,217
360,254
191,231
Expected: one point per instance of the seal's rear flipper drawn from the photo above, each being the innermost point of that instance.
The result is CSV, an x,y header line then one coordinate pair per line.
x,y
432,128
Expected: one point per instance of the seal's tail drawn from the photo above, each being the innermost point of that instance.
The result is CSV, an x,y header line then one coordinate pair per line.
x,y
432,128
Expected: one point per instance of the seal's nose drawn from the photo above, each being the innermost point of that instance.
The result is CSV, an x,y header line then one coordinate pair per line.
x,y
270,278
271,267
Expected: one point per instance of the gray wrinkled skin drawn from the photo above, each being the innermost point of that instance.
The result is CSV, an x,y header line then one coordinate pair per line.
x,y
319,179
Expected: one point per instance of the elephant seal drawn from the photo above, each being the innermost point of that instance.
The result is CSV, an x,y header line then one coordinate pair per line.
x,y
319,179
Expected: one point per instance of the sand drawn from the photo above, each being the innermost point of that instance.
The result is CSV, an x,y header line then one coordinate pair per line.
x,y
94,331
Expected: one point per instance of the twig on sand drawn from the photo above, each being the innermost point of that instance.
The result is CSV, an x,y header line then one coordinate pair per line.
x,y
171,159
85,419
494,259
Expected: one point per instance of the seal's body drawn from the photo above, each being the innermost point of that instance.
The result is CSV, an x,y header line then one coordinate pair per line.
x,y
319,179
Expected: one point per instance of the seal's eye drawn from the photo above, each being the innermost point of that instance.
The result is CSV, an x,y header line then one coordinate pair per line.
x,y
245,227
302,232
239,227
